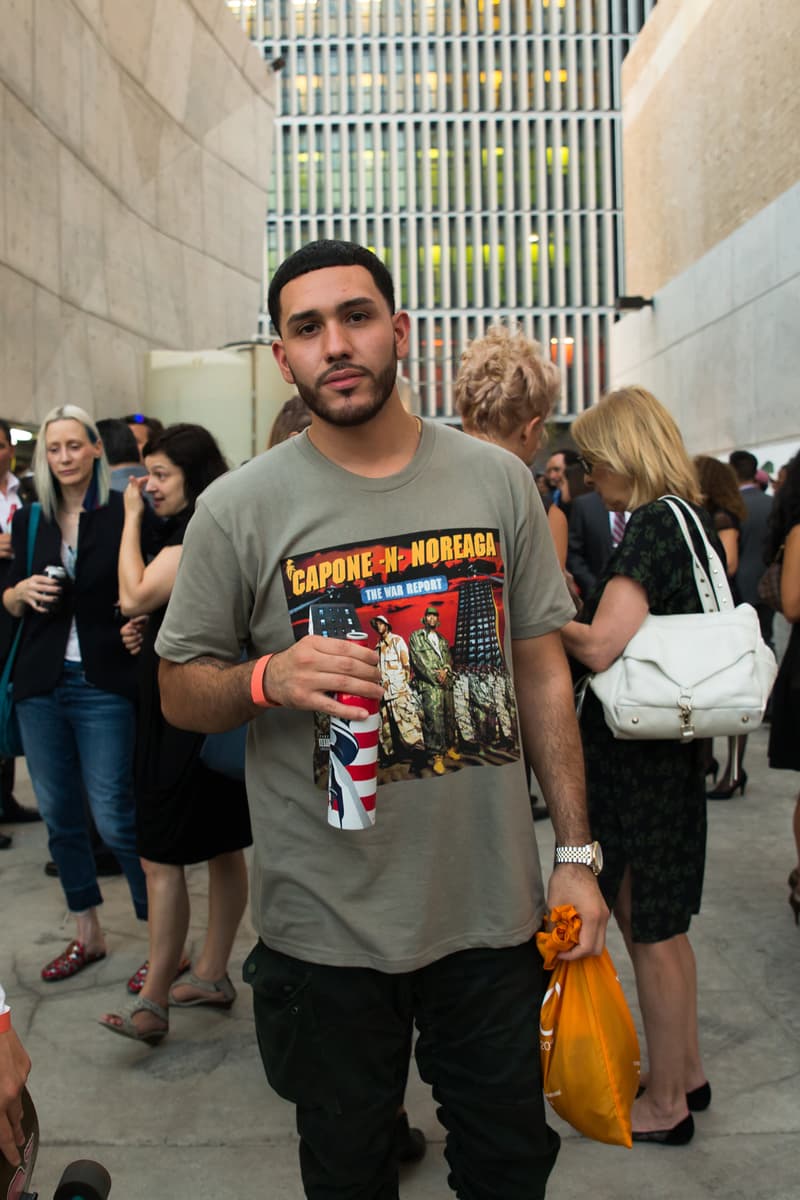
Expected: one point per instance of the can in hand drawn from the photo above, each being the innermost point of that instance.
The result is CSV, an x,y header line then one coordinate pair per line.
x,y
59,576
353,763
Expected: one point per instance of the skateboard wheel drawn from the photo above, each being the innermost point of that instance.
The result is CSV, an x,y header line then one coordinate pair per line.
x,y
84,1180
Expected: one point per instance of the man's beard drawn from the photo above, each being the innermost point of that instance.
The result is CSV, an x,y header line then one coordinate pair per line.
x,y
383,386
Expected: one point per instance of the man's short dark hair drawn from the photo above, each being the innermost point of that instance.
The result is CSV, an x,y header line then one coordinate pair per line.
x,y
152,424
328,252
118,442
744,464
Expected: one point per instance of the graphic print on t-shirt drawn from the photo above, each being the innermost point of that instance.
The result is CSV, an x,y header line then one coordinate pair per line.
x,y
431,605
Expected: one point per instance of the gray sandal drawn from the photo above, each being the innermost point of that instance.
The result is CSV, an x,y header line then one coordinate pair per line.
x,y
212,987
129,1030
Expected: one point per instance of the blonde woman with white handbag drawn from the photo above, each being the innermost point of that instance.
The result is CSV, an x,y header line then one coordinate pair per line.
x,y
647,797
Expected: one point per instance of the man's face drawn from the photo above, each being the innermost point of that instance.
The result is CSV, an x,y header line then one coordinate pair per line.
x,y
6,454
554,471
340,344
431,620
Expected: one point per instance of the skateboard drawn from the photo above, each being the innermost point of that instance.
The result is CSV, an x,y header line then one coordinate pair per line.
x,y
82,1180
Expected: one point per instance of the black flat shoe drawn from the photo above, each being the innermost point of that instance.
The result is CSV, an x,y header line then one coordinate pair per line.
x,y
13,813
5,841
699,1098
409,1143
679,1135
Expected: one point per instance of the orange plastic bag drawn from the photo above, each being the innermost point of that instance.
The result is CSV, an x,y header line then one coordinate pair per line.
x,y
588,1044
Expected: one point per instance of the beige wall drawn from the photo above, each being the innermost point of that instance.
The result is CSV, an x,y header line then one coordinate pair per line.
x,y
711,116
134,159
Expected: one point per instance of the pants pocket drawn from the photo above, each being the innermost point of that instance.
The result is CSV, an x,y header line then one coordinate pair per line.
x,y
292,1051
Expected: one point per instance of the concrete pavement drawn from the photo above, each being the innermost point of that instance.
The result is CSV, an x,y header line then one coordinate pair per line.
x,y
194,1118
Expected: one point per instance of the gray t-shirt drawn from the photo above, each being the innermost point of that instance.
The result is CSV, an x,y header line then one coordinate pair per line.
x,y
292,543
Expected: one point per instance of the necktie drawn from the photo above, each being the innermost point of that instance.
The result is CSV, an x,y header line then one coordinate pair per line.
x,y
618,528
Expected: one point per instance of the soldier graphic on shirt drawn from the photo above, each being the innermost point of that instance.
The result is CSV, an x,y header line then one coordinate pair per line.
x,y
432,662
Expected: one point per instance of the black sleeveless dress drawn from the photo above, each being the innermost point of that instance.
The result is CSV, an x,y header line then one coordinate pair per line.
x,y
185,812
784,734
646,799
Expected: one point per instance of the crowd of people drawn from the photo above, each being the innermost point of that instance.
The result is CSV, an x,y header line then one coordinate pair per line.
x,y
468,632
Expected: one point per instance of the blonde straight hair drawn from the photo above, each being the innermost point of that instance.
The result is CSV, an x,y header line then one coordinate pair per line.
x,y
47,486
633,434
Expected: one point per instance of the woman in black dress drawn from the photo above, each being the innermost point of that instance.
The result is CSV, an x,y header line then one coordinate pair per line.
x,y
784,735
646,798
185,812
723,502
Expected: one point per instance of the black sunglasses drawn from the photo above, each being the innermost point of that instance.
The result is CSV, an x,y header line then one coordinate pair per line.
x,y
585,466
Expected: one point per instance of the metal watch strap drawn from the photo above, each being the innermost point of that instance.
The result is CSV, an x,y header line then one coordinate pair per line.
x,y
575,854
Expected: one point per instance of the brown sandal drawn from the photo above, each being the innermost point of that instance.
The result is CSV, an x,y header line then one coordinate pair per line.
x,y
211,987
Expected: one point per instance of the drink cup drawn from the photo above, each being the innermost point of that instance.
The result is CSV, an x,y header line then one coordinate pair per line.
x,y
353,763
57,575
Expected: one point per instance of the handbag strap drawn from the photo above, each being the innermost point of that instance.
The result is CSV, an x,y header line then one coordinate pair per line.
x,y
33,529
711,580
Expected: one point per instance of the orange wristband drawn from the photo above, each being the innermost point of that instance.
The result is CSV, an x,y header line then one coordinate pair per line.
x,y
5,1021
257,693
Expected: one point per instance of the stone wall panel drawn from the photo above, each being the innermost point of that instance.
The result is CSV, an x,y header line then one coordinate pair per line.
x,y
83,256
126,283
179,187
58,34
127,30
16,341
31,186
140,133
170,56
16,47
100,110
134,161
729,69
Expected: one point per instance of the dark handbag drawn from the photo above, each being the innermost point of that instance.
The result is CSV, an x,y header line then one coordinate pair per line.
x,y
769,585
225,752
10,738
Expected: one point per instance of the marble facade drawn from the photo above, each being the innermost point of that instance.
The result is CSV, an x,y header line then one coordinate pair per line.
x,y
135,144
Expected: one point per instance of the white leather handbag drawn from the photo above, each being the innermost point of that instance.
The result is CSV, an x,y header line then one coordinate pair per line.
x,y
702,674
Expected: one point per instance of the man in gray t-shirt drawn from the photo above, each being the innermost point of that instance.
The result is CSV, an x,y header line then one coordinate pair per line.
x,y
428,915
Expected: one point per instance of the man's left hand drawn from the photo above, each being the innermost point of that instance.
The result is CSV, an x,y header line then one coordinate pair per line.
x,y
577,885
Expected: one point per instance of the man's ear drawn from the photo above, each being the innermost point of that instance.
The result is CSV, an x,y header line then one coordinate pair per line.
x,y
283,364
402,332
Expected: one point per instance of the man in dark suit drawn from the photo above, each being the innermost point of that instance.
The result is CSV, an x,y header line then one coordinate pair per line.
x,y
590,545
752,538
10,502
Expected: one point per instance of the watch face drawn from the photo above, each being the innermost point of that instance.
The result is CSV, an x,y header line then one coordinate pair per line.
x,y
597,857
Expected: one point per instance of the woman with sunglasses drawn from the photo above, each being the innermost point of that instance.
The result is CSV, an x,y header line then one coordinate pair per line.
x,y
646,798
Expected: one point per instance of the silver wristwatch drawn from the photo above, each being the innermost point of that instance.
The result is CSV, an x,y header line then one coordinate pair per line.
x,y
590,855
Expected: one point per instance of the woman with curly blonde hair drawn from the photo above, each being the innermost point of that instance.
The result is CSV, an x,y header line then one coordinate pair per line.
x,y
505,390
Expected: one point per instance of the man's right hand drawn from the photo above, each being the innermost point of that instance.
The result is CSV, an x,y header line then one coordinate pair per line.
x,y
14,1070
307,675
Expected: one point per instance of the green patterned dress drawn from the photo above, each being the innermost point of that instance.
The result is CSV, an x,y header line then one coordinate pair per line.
x,y
647,805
